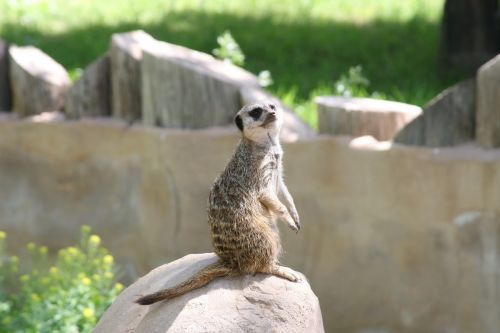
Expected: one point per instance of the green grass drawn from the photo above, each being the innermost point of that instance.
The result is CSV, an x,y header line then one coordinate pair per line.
x,y
306,44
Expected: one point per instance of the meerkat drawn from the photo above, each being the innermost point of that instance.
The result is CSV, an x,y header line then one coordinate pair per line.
x,y
244,203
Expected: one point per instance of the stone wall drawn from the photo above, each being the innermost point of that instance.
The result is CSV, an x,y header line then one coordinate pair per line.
x,y
394,238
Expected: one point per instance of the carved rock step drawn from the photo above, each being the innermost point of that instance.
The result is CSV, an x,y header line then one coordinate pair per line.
x,y
488,104
90,96
126,56
184,88
448,119
38,82
363,116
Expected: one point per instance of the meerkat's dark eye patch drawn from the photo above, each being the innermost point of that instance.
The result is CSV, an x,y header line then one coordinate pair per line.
x,y
255,113
239,122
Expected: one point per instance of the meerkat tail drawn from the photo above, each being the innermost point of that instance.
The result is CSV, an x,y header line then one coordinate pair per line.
x,y
200,279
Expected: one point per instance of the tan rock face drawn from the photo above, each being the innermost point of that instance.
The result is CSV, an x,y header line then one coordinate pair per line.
x,y
184,88
448,120
356,117
488,104
125,58
260,303
90,95
38,83
384,242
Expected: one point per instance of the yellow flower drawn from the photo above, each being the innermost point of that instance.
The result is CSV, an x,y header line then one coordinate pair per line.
x,y
118,286
86,281
24,278
14,259
53,270
88,313
72,250
108,275
43,250
35,298
108,259
95,240
96,277
2,235
85,229
31,246
81,276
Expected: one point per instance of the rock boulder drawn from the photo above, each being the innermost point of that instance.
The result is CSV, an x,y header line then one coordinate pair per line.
x,y
356,117
448,119
260,303
38,82
488,104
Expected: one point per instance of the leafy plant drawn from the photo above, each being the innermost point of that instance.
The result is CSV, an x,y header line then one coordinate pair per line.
x,y
66,296
229,50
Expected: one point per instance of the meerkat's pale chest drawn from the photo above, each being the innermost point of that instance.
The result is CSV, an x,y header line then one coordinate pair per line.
x,y
271,169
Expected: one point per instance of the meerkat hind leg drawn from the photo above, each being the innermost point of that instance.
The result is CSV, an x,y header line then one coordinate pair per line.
x,y
282,272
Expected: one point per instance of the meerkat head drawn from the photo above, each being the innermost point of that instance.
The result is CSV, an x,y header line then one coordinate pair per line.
x,y
259,121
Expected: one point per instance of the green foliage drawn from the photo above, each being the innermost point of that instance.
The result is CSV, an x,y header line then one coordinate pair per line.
x,y
67,296
229,50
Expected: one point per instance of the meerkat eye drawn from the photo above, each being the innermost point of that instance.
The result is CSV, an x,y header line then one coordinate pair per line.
x,y
255,113
272,106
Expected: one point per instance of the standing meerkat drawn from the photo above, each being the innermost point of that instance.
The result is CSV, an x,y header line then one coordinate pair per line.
x,y
244,203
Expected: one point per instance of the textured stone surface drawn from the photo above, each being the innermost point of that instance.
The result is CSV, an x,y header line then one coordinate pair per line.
x,y
5,93
90,95
293,127
448,120
488,104
126,55
183,88
38,82
260,303
383,241
363,116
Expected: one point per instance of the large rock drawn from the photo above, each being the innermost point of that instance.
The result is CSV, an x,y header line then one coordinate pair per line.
x,y
260,303
90,95
488,104
448,120
354,116
5,94
126,55
184,88
38,82
293,127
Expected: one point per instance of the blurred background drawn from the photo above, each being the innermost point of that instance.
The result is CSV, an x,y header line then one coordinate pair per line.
x,y
105,173
385,48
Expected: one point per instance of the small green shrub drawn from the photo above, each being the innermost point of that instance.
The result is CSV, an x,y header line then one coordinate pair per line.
x,y
68,295
229,50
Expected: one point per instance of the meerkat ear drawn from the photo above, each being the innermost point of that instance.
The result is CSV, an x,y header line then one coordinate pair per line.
x,y
239,122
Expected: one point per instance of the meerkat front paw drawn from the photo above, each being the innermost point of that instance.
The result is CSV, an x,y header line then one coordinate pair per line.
x,y
292,223
296,219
